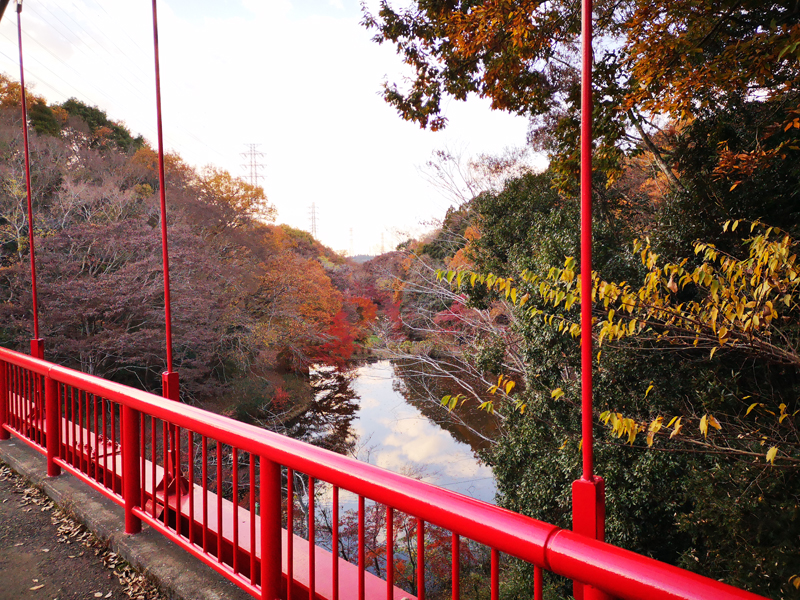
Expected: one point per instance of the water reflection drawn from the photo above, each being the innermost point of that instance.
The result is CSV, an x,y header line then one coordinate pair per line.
x,y
423,388
328,422
411,434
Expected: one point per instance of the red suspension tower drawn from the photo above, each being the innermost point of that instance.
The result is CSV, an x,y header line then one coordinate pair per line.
x,y
588,492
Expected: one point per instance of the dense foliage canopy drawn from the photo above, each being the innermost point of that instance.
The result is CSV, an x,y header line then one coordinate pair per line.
x,y
697,116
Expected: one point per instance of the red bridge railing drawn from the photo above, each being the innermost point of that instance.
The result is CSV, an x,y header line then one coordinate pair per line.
x,y
227,493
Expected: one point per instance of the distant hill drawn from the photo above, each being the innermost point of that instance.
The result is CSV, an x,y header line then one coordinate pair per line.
x,y
361,258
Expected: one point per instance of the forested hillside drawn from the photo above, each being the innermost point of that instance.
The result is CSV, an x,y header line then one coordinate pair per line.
x,y
251,299
697,220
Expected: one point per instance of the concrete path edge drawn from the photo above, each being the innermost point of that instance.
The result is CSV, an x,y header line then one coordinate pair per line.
x,y
178,574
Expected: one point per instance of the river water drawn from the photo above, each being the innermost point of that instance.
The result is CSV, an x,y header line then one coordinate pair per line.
x,y
395,426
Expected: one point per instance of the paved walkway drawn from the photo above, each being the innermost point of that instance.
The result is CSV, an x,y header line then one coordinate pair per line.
x,y
44,556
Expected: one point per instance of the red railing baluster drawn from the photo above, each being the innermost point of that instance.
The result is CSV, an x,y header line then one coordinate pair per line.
x,y
131,475
289,533
114,446
420,559
4,396
270,496
190,459
153,463
20,395
220,524
40,410
63,407
312,565
335,543
495,575
252,495
167,471
205,493
102,444
538,593
96,448
455,551
235,483
12,397
74,440
53,425
83,410
361,551
389,553
143,459
28,403
176,436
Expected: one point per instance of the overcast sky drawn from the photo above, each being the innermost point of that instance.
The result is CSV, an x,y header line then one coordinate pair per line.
x,y
300,78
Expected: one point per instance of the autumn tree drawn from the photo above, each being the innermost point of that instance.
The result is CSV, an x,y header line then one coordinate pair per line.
x,y
679,61
240,200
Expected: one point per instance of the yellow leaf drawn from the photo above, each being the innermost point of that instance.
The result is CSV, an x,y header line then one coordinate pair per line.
x,y
557,393
650,387
655,424
509,386
771,453
677,428
704,425
714,423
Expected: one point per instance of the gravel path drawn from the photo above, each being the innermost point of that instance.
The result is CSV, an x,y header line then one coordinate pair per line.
x,y
45,555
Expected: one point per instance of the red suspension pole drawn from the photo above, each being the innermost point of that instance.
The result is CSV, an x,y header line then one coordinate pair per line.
x,y
586,243
588,493
169,379
37,344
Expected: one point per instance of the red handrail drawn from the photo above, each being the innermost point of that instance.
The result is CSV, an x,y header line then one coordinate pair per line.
x,y
619,572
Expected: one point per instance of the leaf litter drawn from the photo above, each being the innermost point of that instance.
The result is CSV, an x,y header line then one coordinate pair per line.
x,y
135,585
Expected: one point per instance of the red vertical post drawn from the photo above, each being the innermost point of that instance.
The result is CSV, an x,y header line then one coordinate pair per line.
x,y
495,575
270,500
455,552
420,559
4,435
37,344
389,553
52,425
169,378
588,493
131,476
362,556
335,544
538,588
